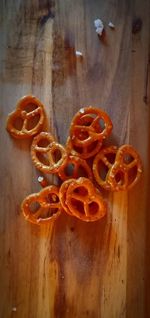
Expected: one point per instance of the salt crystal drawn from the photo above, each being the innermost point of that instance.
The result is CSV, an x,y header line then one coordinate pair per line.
x,y
40,179
99,30
43,182
81,110
78,53
98,23
111,25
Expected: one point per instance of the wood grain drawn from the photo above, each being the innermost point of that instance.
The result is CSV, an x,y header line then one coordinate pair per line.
x,y
70,269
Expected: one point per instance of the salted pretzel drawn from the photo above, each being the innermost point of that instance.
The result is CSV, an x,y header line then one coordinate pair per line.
x,y
84,201
84,131
28,110
47,155
75,167
102,164
83,151
62,195
127,169
43,207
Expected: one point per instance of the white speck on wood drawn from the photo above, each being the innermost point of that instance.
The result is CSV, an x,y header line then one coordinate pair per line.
x,y
78,53
81,110
14,309
100,30
40,179
111,25
98,23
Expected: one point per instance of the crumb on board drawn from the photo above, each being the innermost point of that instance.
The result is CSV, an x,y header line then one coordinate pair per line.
x,y
111,25
14,309
40,178
81,110
99,26
99,31
98,23
78,53
42,181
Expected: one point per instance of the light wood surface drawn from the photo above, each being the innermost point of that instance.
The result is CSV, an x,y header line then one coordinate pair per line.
x,y
70,269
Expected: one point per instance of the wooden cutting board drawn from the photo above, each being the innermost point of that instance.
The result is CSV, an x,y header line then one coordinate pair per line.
x,y
70,269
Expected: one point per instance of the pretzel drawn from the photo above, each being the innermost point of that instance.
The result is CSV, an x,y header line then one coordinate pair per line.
x,y
45,157
127,169
49,206
102,164
83,151
84,201
77,166
26,116
62,195
84,131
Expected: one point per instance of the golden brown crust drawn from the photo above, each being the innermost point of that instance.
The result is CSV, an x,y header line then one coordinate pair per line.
x,y
86,126
77,164
127,159
62,195
49,206
84,201
26,116
102,164
51,150
84,152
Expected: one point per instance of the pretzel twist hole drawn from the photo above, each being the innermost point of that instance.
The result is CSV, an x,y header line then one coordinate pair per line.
x,y
83,151
75,167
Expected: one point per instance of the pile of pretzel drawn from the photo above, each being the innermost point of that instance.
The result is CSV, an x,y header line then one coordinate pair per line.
x,y
84,165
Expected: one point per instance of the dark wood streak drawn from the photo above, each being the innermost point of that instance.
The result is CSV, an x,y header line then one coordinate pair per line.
x,y
49,11
22,56
64,67
146,96
136,25
57,252
84,245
